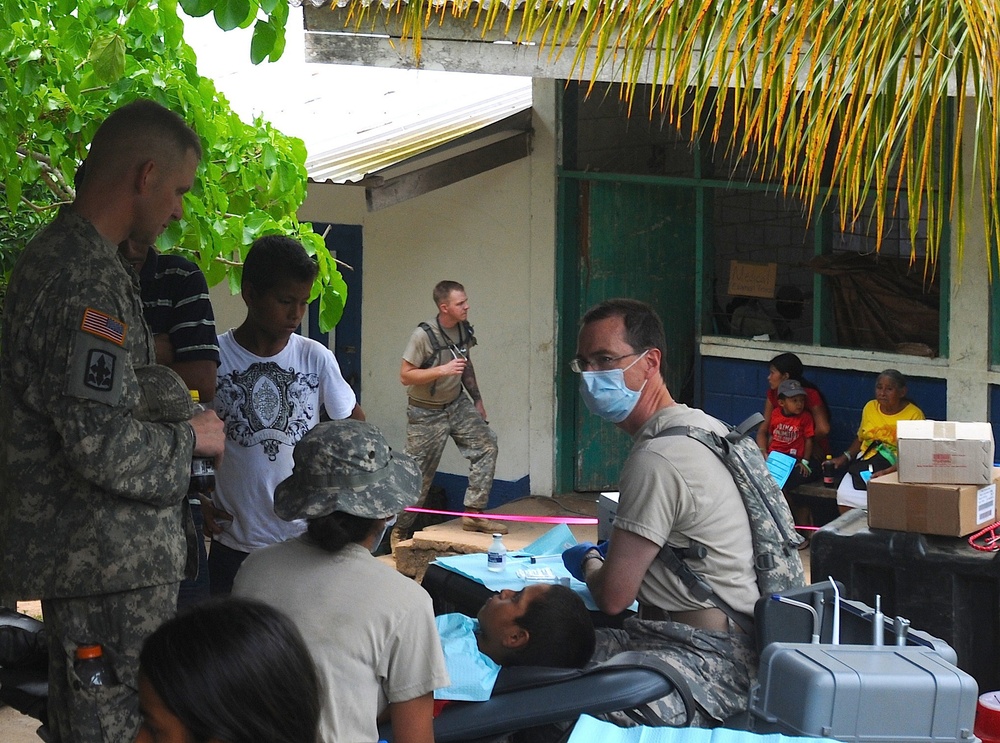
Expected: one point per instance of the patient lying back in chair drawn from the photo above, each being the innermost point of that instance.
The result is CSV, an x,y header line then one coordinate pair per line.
x,y
541,625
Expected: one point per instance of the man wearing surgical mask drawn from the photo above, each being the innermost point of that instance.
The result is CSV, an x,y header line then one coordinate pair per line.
x,y
673,491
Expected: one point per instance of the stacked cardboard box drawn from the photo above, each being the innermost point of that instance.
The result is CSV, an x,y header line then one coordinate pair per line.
x,y
946,483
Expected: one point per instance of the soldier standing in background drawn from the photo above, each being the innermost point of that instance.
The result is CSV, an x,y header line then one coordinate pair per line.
x,y
436,367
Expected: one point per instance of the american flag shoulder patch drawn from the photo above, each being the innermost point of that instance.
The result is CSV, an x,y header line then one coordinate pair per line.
x,y
104,326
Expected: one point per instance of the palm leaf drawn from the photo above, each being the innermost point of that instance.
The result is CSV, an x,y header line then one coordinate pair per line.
x,y
835,99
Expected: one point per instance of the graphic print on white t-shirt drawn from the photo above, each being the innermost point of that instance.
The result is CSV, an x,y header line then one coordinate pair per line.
x,y
268,406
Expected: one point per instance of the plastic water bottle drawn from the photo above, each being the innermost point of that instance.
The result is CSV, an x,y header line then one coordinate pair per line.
x,y
496,556
92,667
828,471
202,468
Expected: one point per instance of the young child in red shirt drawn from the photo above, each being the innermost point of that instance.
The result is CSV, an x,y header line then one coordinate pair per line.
x,y
791,430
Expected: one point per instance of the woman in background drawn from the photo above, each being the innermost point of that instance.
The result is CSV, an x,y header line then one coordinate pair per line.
x,y
789,366
783,367
875,448
370,629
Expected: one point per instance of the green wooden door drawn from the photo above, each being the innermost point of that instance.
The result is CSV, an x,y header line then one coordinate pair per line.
x,y
638,241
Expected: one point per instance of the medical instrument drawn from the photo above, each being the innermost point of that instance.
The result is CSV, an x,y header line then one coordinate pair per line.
x,y
878,623
835,637
901,629
801,605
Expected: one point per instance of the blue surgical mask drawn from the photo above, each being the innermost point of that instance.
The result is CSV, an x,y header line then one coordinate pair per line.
x,y
607,396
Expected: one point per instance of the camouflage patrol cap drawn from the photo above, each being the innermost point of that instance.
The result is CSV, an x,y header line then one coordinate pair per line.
x,y
163,395
347,466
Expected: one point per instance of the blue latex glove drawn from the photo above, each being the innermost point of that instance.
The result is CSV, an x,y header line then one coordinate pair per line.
x,y
573,557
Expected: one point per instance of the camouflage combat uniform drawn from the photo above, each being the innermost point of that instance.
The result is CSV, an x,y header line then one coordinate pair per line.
x,y
719,667
442,409
91,496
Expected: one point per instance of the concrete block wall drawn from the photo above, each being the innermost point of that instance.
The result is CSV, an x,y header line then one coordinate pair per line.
x,y
733,389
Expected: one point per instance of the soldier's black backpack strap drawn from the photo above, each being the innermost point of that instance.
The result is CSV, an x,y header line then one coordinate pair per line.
x,y
436,346
436,349
700,589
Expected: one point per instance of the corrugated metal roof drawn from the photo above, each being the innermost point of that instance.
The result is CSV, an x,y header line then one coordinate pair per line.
x,y
354,120
406,137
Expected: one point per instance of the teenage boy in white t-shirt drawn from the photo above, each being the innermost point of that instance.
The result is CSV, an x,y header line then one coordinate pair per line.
x,y
271,385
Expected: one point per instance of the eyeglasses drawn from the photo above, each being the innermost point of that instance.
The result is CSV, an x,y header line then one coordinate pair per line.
x,y
600,363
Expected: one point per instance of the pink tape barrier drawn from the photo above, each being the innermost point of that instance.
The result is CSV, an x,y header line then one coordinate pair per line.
x,y
510,516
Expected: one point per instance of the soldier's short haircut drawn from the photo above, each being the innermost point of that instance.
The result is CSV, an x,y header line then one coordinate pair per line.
x,y
140,131
560,631
643,327
443,290
274,259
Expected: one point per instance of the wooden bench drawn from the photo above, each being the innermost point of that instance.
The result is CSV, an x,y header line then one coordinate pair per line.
x,y
816,490
820,500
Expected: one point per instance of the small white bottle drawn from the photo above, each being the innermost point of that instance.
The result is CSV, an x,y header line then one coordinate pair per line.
x,y
496,556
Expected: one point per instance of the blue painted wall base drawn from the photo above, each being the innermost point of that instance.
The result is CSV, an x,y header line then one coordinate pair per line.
x,y
734,389
504,491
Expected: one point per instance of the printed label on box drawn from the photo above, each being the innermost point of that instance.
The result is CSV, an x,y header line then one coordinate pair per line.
x,y
986,501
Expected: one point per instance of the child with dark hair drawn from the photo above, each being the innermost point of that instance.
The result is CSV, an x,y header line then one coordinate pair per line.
x,y
788,366
791,429
540,625
272,382
790,432
230,670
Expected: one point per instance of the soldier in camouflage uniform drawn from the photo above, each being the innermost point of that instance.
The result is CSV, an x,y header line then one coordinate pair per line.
x,y
95,445
436,366
673,490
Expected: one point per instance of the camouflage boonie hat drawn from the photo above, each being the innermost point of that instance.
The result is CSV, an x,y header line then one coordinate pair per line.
x,y
163,395
346,466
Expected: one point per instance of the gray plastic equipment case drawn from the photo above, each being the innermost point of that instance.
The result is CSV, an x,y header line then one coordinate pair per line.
x,y
862,693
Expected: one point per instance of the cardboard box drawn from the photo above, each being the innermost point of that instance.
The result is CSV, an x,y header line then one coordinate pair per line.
x,y
752,279
952,452
949,510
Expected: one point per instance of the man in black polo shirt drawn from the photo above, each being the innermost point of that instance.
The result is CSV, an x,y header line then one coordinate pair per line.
x,y
177,307
176,304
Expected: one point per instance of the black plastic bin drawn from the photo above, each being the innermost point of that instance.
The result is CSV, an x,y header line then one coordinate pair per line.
x,y
941,584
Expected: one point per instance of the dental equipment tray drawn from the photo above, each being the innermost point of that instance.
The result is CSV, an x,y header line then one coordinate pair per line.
x,y
862,693
780,622
855,691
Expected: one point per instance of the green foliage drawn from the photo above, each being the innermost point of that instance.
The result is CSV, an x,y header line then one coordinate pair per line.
x,y
69,63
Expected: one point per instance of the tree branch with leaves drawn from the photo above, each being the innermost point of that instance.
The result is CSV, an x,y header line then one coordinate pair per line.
x,y
70,63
